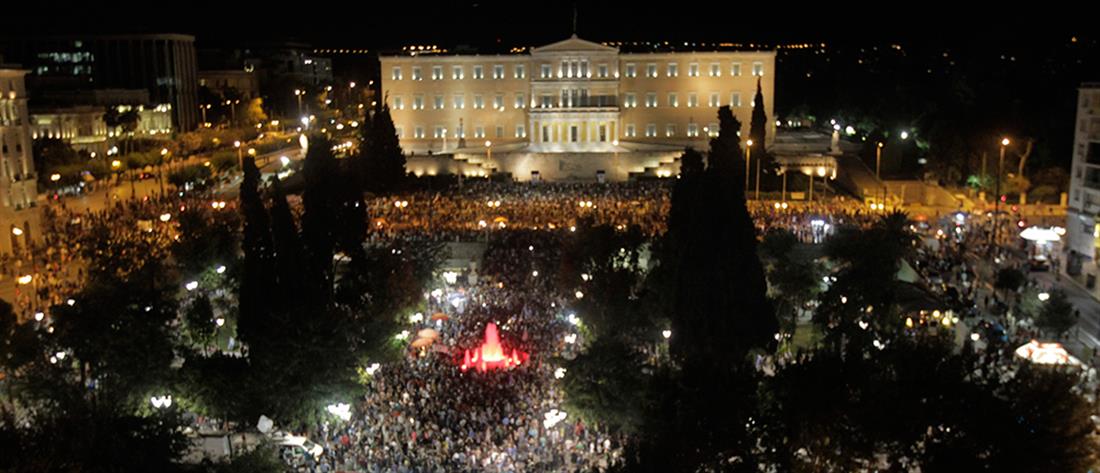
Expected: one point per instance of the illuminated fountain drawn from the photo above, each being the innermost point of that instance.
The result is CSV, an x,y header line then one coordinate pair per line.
x,y
491,355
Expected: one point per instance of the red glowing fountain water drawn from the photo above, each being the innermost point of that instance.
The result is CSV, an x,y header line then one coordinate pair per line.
x,y
491,355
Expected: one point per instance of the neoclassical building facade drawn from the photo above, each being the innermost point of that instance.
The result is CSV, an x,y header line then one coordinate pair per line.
x,y
569,110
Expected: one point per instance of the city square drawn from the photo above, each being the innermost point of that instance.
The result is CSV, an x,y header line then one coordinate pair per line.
x,y
562,248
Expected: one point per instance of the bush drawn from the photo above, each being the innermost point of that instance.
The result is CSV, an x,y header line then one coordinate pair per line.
x,y
195,175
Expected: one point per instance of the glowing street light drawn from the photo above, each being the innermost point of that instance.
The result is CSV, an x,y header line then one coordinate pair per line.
x,y
667,334
16,231
25,279
904,135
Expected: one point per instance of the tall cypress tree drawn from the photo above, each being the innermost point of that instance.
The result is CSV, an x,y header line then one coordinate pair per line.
x,y
321,202
719,313
292,269
257,276
758,127
384,161
722,310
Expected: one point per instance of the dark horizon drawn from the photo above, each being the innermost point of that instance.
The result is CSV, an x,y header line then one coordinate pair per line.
x,y
494,23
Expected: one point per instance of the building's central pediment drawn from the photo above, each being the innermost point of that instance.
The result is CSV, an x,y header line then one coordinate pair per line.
x,y
574,44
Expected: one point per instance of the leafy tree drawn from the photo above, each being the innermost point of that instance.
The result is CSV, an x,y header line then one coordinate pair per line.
x,y
606,384
1056,315
254,112
18,348
51,155
1009,279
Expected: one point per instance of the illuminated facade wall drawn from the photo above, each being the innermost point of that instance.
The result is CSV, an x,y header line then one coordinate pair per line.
x,y
1082,233
18,187
571,96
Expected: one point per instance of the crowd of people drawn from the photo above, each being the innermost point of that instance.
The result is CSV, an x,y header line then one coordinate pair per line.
x,y
57,262
426,414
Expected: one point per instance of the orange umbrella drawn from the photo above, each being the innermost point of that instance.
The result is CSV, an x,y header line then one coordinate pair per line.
x,y
500,219
428,333
440,316
422,342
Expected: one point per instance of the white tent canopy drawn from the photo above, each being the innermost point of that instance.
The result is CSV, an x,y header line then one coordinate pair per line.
x,y
1046,354
1040,234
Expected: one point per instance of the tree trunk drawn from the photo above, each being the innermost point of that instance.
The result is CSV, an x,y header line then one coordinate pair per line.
x,y
1024,156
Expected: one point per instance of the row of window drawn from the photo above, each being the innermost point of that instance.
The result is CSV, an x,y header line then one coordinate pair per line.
x,y
519,71
671,130
630,100
458,102
479,132
577,69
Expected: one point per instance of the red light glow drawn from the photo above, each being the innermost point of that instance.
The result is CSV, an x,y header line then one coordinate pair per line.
x,y
491,355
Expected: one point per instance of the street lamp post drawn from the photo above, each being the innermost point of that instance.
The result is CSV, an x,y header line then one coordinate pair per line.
x,y
160,174
757,193
997,194
16,233
784,194
811,175
748,159
299,93
240,155
878,161
488,152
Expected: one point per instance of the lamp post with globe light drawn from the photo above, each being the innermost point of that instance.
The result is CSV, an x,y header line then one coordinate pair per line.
x,y
997,195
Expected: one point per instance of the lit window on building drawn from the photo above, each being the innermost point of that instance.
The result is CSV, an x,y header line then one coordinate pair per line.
x,y
479,72
650,100
670,130
630,131
457,73
396,75
715,70
601,71
498,102
440,132
714,100
437,72
631,70
521,132
693,130
545,71
479,132
416,74
630,101
398,104
498,71
459,102
673,69
438,103
419,133
735,99
479,103
693,70
418,102
651,130
651,70
520,72
758,69
693,100
500,132
735,69
519,103
673,101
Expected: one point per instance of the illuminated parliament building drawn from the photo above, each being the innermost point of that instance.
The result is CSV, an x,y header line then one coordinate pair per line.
x,y
571,110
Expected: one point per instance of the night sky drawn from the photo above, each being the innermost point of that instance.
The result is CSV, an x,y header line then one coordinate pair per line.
x,y
487,23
